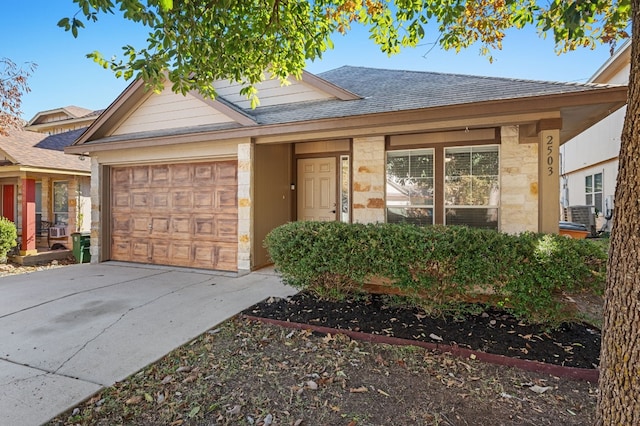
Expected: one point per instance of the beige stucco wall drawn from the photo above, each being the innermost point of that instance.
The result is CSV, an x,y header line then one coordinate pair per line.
x,y
518,183
368,180
272,195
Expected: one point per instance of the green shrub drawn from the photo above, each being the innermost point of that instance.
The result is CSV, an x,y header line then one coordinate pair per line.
x,y
445,266
8,236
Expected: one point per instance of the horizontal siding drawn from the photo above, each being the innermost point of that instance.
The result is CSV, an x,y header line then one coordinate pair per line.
x,y
169,110
270,92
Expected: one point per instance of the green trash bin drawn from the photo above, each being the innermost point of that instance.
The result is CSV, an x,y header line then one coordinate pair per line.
x,y
81,246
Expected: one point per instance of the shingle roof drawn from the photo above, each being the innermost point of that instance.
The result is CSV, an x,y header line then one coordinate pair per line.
x,y
384,90
41,150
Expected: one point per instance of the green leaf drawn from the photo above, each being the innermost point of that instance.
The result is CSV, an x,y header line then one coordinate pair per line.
x,y
194,411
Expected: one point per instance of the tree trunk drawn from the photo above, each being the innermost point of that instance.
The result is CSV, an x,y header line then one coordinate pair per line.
x,y
619,396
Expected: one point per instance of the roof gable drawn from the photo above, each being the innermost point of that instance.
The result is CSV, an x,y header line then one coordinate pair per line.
x,y
169,110
59,114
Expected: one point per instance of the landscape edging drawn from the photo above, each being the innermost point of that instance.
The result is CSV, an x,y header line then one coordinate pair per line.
x,y
586,374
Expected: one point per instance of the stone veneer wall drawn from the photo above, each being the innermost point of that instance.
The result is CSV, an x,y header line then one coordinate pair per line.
x,y
368,180
72,202
245,197
518,183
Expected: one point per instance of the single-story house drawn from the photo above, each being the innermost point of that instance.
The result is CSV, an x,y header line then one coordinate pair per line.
x,y
44,191
188,181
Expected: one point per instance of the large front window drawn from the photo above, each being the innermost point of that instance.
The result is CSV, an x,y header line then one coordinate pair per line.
x,y
60,203
472,186
410,186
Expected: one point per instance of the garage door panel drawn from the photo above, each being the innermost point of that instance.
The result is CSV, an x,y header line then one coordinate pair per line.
x,y
204,200
139,224
227,227
204,173
159,175
121,248
160,200
204,254
159,227
140,199
160,251
140,250
140,176
121,177
176,214
181,224
226,174
182,198
122,224
182,174
226,257
227,198
121,200
180,254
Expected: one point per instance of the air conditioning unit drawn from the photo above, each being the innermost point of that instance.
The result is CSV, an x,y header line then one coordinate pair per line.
x,y
584,215
57,231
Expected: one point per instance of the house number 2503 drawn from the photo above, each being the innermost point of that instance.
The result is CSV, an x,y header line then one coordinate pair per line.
x,y
549,155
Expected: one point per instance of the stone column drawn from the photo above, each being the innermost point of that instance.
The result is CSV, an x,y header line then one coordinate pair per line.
x,y
368,180
518,183
245,202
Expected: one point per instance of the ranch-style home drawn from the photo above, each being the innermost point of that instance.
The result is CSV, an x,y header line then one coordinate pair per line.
x,y
45,192
188,181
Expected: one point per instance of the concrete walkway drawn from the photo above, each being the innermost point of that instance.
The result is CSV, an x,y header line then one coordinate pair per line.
x,y
66,333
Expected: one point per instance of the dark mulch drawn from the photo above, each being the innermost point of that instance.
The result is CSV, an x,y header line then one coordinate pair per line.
x,y
492,331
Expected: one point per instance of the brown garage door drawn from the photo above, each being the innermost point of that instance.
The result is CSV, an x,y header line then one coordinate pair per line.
x,y
176,214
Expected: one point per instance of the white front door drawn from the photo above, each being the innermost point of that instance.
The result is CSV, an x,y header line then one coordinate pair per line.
x,y
317,189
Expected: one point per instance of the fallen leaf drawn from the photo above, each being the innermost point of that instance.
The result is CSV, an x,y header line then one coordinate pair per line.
x,y
381,392
148,397
194,411
435,337
133,400
540,389
297,422
234,410
177,422
361,389
312,385
183,369
167,379
190,379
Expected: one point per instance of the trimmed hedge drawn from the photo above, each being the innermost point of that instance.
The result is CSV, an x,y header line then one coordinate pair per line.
x,y
445,266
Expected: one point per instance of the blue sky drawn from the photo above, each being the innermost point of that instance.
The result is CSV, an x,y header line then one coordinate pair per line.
x,y
64,75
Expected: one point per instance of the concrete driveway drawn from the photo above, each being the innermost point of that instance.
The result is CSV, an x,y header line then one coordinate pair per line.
x,y
66,333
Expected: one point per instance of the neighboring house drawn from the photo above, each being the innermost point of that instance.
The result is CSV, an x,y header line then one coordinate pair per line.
x,y
590,160
183,180
45,191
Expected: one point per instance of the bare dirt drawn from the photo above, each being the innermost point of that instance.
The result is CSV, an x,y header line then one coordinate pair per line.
x,y
246,372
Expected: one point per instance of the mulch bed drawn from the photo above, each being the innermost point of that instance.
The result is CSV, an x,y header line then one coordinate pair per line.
x,y
493,331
